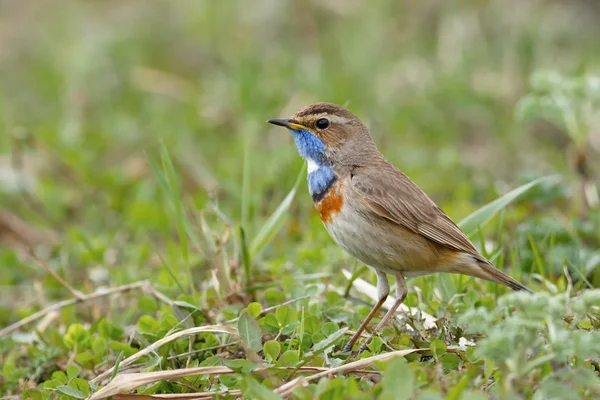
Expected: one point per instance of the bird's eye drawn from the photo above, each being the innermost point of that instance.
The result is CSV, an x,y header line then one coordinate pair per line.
x,y
323,123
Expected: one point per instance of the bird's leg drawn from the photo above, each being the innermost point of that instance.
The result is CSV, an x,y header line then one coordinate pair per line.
x,y
383,290
401,292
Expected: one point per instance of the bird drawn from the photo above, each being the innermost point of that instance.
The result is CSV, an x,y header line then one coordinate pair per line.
x,y
376,213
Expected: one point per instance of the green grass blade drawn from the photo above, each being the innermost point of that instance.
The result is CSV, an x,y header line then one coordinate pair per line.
x,y
117,364
487,212
246,258
174,192
273,224
581,275
171,273
246,176
537,257
167,180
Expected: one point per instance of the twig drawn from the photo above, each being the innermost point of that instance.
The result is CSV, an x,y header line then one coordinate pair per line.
x,y
186,332
153,291
46,321
186,396
360,364
71,289
65,303
126,382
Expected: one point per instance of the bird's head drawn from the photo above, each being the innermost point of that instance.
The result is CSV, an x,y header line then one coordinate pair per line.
x,y
327,134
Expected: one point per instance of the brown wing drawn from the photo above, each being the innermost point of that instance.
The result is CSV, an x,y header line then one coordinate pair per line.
x,y
393,196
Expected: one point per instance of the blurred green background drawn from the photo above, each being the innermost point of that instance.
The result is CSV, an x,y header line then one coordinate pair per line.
x,y
97,98
90,90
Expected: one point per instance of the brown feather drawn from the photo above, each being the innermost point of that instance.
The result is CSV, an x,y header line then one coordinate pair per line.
x,y
397,198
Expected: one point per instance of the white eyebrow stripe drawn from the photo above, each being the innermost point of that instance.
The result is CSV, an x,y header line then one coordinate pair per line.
x,y
338,120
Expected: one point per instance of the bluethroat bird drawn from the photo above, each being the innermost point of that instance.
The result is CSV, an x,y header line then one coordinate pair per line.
x,y
374,212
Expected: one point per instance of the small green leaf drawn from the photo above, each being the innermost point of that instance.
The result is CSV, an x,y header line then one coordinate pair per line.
x,y
288,359
72,371
250,332
270,320
86,359
438,348
230,381
273,297
450,361
76,337
148,324
252,389
474,395
329,328
311,324
185,304
60,376
375,345
254,309
124,347
32,394
99,346
241,366
286,315
51,384
109,330
212,361
329,340
168,321
398,380
147,305
272,349
80,384
70,391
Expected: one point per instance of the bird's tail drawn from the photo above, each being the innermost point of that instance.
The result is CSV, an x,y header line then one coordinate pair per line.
x,y
495,275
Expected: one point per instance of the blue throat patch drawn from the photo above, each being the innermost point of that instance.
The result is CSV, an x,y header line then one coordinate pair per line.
x,y
320,181
309,146
312,148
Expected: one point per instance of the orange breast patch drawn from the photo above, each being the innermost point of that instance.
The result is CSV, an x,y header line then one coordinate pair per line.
x,y
331,203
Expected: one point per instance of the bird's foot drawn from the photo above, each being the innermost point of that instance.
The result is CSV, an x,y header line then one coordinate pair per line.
x,y
347,348
363,348
366,343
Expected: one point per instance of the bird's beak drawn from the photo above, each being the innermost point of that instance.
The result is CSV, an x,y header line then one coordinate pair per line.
x,y
287,123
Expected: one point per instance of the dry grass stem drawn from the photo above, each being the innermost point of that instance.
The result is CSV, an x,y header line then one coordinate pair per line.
x,y
65,303
346,368
126,382
177,335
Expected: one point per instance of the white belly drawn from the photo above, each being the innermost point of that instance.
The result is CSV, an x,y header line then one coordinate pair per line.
x,y
380,245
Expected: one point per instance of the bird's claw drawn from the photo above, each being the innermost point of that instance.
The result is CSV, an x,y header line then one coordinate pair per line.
x,y
347,349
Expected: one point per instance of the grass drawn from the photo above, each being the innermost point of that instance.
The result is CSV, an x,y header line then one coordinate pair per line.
x,y
133,148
